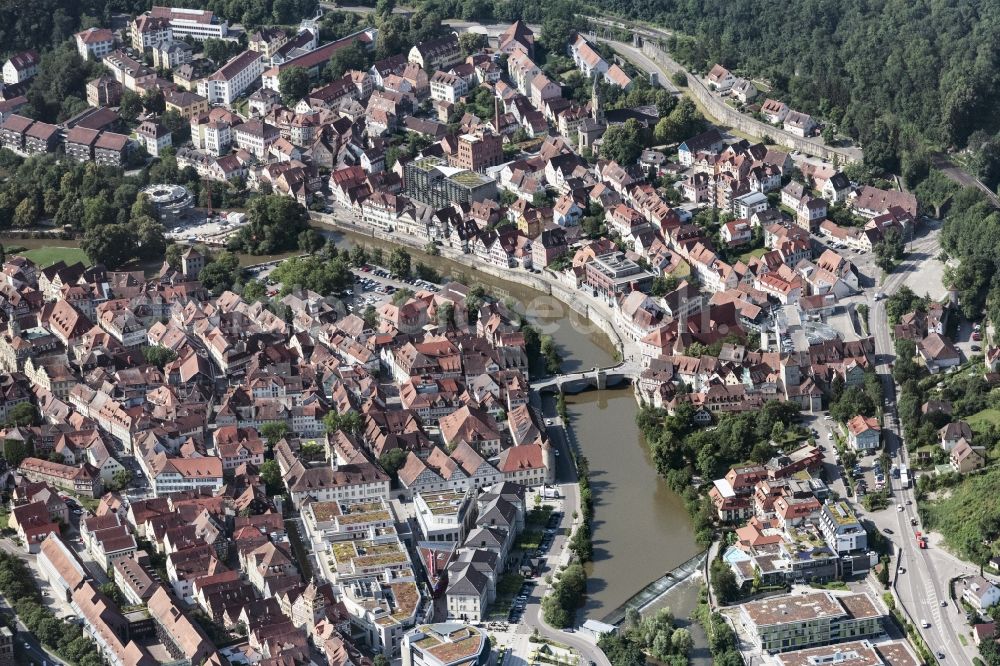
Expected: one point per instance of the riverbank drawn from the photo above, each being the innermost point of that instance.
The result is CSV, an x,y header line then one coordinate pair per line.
x,y
640,528
591,309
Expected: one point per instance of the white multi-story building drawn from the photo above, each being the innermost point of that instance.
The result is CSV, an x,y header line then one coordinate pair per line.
x,y
255,137
785,623
447,87
20,67
216,138
326,522
146,31
841,529
95,43
155,137
199,24
444,516
232,79
384,608
171,475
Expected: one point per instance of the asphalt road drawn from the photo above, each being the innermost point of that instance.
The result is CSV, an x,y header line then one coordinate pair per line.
x,y
923,587
532,618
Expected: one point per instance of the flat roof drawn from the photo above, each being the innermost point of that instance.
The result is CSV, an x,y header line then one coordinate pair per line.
x,y
804,607
793,608
851,653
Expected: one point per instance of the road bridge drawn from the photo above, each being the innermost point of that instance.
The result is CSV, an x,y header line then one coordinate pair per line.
x,y
599,378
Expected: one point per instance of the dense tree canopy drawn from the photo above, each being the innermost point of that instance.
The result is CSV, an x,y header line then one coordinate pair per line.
x,y
313,273
818,57
969,517
294,84
623,143
273,225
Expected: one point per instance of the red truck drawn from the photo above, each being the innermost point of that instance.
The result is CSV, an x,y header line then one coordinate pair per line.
x,y
921,540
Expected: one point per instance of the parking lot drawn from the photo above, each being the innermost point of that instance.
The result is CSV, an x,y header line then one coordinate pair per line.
x,y
373,285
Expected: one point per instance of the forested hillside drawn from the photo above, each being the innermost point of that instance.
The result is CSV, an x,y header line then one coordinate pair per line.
x,y
886,71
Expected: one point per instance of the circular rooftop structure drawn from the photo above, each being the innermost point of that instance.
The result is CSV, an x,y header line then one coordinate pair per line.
x,y
172,202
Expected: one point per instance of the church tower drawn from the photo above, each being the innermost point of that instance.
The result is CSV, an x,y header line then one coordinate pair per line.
x,y
596,100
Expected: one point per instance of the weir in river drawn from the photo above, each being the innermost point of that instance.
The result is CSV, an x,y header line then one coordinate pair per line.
x,y
657,588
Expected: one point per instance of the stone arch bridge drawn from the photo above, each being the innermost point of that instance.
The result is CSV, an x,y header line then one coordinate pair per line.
x,y
599,378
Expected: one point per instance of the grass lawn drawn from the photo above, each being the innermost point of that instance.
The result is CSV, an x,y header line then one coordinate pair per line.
x,y
46,256
753,254
682,271
980,420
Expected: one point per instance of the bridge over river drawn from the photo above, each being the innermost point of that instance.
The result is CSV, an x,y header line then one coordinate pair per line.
x,y
599,378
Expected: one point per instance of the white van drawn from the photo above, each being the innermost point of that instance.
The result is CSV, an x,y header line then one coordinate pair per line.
x,y
925,624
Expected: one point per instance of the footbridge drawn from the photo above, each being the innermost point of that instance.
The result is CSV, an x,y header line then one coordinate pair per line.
x,y
599,378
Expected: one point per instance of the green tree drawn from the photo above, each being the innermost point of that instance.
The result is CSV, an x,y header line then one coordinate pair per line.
x,y
623,143
663,285
471,42
22,414
273,225
621,650
130,106
358,256
221,273
724,582
270,474
26,214
553,360
889,250
217,50
120,480
371,317
392,461
311,241
350,422
293,83
254,290
97,211
683,122
399,262
14,451
274,432
111,244
154,102
151,243
346,59
557,27
446,315
159,355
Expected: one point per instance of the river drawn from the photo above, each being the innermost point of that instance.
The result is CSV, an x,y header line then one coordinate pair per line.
x,y
641,528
